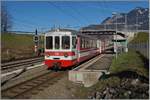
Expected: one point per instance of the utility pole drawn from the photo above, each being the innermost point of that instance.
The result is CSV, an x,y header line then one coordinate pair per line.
x,y
126,30
36,41
115,48
126,22
105,26
136,22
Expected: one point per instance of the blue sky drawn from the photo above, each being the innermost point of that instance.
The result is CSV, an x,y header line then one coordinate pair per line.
x,y
43,15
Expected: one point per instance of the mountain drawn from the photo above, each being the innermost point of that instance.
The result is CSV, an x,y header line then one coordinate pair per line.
x,y
137,18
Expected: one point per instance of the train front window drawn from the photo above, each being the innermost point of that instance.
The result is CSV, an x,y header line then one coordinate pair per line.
x,y
65,42
57,42
49,42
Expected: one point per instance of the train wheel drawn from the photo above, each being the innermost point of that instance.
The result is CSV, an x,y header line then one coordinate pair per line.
x,y
50,68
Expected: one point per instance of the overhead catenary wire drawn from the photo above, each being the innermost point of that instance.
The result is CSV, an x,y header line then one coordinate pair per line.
x,y
64,12
25,24
83,17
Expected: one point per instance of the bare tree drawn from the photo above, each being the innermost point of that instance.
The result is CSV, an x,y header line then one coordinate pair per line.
x,y
5,20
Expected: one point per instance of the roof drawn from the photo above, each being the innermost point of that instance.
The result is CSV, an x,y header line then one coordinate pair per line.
x,y
68,32
62,32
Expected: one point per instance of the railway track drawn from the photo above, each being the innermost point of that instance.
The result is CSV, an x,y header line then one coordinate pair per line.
x,y
31,87
21,63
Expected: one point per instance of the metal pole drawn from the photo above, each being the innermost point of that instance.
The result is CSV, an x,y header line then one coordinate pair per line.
x,y
126,48
126,22
136,23
105,26
36,44
116,36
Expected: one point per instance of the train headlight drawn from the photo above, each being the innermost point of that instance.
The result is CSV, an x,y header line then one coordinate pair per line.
x,y
65,55
47,55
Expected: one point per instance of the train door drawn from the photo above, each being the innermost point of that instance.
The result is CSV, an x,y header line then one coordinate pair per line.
x,y
74,46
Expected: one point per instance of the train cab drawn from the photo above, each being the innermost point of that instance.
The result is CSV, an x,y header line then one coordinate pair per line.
x,y
60,49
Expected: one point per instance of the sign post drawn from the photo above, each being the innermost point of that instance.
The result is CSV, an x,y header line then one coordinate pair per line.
x,y
36,42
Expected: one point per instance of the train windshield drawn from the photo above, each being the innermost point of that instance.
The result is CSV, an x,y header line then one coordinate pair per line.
x,y
49,42
65,42
57,42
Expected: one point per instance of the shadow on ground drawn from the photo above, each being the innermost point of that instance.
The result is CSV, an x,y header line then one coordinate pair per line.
x,y
109,51
144,59
126,74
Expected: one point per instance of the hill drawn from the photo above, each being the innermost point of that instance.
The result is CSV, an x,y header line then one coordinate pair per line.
x,y
136,18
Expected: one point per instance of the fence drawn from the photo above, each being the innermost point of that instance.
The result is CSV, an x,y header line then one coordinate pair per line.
x,y
143,48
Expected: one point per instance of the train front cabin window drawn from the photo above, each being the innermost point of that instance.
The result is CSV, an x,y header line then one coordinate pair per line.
x,y
65,42
49,42
57,42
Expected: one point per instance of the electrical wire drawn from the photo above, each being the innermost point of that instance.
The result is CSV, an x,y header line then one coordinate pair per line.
x,y
64,12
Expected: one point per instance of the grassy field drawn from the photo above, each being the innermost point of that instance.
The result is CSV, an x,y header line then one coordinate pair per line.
x,y
130,61
140,43
15,46
141,37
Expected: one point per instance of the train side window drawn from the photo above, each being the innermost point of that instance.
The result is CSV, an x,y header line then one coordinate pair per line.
x,y
65,42
49,42
74,41
90,43
57,42
93,44
85,43
82,42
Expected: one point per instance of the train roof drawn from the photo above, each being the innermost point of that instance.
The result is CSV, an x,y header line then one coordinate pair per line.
x,y
61,32
68,32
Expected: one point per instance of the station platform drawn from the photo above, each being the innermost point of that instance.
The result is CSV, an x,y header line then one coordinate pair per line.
x,y
102,64
89,72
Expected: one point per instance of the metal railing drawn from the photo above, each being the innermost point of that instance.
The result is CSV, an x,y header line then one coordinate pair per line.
x,y
143,48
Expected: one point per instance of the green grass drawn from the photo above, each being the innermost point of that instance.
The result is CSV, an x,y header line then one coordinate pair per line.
x,y
141,37
130,61
18,45
17,41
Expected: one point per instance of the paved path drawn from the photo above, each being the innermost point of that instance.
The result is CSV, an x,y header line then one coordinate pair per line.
x,y
102,64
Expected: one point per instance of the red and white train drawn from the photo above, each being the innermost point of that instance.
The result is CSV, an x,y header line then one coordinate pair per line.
x,y
64,49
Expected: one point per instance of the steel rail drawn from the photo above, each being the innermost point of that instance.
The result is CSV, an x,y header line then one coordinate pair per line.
x,y
21,63
26,89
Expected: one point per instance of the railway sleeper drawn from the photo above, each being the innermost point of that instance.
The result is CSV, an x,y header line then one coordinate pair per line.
x,y
25,87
